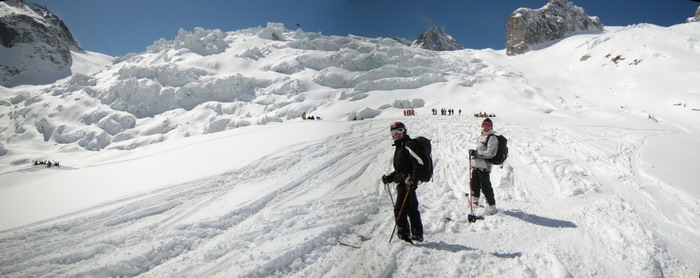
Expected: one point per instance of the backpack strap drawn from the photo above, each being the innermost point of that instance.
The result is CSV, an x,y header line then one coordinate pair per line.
x,y
413,153
488,137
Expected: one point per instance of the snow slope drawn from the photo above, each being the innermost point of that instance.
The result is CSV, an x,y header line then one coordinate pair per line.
x,y
592,186
579,205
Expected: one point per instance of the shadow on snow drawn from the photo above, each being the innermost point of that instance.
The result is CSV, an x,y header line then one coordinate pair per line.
x,y
539,220
446,246
443,246
507,255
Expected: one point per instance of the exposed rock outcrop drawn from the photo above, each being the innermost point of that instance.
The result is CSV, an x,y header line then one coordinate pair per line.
x,y
556,20
696,18
436,39
36,43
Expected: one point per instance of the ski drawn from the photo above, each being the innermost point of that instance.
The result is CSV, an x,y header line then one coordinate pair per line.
x,y
348,244
352,240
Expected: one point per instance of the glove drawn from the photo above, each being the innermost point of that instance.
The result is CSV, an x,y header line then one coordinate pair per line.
x,y
386,179
472,153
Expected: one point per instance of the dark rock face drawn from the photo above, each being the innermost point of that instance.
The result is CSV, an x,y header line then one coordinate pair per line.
x,y
436,39
556,20
36,43
696,18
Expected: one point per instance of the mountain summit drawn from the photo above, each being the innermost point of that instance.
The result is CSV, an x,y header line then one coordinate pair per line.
x,y
696,18
37,43
556,20
436,39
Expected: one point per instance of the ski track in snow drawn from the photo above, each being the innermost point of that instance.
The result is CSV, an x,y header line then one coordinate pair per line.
x,y
569,206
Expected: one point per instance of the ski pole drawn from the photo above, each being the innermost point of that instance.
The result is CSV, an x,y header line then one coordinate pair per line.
x,y
388,190
470,186
392,232
471,217
400,211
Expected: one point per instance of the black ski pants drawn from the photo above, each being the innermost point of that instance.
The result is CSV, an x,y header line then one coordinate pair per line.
x,y
481,182
410,211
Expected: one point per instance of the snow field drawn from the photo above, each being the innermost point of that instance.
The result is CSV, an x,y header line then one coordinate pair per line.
x,y
281,215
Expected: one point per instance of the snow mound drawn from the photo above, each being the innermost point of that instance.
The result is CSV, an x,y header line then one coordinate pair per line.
x,y
200,41
146,98
167,76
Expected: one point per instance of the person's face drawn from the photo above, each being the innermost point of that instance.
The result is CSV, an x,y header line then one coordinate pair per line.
x,y
486,126
397,134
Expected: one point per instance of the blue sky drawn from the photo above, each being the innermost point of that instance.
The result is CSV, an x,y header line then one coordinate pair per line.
x,y
120,27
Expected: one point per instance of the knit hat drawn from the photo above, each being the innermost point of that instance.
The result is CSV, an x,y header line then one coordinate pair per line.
x,y
487,121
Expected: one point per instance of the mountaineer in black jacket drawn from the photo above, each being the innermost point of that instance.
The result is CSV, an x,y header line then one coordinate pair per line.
x,y
407,164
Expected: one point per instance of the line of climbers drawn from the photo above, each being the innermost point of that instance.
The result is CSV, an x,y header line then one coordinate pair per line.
x,y
48,163
484,115
450,112
309,117
446,112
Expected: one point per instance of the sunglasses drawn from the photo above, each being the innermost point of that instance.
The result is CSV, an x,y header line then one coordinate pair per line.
x,y
397,131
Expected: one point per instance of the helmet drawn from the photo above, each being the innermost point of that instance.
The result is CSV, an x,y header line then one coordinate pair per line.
x,y
398,125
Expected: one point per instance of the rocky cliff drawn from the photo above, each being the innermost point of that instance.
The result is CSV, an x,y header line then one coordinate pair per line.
x,y
35,45
696,18
556,20
436,39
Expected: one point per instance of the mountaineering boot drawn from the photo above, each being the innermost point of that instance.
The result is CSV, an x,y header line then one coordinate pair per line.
x,y
490,210
417,238
405,238
417,233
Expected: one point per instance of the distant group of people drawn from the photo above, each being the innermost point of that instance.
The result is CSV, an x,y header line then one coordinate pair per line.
x,y
446,112
484,115
48,163
409,112
309,117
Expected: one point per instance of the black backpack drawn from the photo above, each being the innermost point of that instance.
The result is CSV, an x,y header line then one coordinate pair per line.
x,y
502,152
424,151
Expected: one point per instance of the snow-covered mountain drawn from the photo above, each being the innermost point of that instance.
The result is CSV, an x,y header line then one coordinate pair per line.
x,y
206,81
436,39
36,45
190,159
557,19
